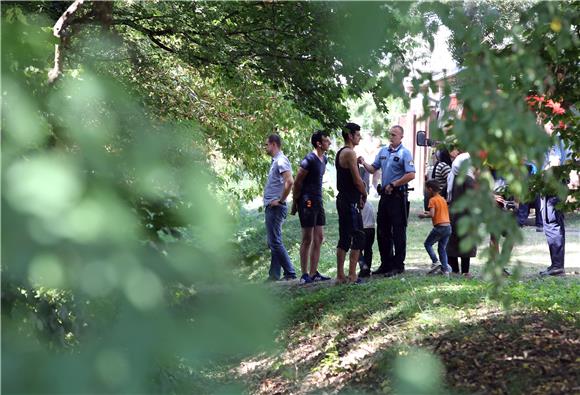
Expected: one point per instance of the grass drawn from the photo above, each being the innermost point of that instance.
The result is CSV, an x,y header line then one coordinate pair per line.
x,y
358,339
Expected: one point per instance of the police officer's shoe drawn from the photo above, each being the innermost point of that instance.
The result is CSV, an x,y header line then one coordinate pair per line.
x,y
553,271
394,273
380,270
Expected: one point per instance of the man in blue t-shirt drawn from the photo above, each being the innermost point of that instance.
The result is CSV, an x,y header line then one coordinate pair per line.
x,y
396,164
307,197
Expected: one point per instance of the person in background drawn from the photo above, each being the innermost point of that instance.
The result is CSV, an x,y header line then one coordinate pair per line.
x,y
307,201
351,198
455,190
505,203
428,176
552,217
439,214
524,207
441,170
366,255
277,189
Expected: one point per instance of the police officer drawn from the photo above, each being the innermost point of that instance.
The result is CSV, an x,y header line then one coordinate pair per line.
x,y
396,164
552,218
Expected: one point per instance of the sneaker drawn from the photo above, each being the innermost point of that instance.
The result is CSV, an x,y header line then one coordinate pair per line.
x,y
539,229
288,277
319,277
436,268
358,281
505,272
467,275
305,279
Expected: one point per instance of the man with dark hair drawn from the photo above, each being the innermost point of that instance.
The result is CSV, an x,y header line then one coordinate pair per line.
x,y
351,198
276,191
396,163
307,196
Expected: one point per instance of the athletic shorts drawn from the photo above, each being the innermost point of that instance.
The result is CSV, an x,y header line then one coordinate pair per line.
x,y
311,213
350,226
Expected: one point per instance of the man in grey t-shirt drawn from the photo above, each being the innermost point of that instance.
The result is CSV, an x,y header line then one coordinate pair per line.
x,y
276,191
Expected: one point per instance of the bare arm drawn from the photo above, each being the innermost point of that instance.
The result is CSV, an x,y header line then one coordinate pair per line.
x,y
400,182
370,168
297,189
404,180
428,214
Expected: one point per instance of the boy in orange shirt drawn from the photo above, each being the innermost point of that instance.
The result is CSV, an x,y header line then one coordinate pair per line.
x,y
439,214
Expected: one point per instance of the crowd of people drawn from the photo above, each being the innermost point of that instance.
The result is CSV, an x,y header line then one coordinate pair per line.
x,y
356,215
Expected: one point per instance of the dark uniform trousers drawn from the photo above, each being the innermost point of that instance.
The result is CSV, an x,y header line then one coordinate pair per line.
x,y
553,221
392,231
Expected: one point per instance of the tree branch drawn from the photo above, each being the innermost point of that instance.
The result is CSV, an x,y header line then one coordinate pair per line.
x,y
58,30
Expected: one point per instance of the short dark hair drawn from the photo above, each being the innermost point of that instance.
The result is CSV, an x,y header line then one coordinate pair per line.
x,y
274,138
317,137
399,127
433,185
349,129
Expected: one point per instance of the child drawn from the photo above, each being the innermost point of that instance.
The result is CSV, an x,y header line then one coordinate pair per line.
x,y
366,254
439,214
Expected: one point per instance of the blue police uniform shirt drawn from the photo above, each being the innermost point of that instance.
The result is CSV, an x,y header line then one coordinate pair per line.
x,y
394,163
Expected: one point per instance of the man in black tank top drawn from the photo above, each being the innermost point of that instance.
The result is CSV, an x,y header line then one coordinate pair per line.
x,y
351,198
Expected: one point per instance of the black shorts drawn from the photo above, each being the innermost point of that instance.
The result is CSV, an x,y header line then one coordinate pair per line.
x,y
350,226
311,213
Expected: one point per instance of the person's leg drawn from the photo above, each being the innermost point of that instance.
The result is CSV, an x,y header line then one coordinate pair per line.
x,y
399,232
367,252
383,239
344,239
358,241
340,256
317,239
278,247
272,235
465,264
442,248
426,198
454,263
554,231
538,216
522,213
306,247
352,265
431,239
